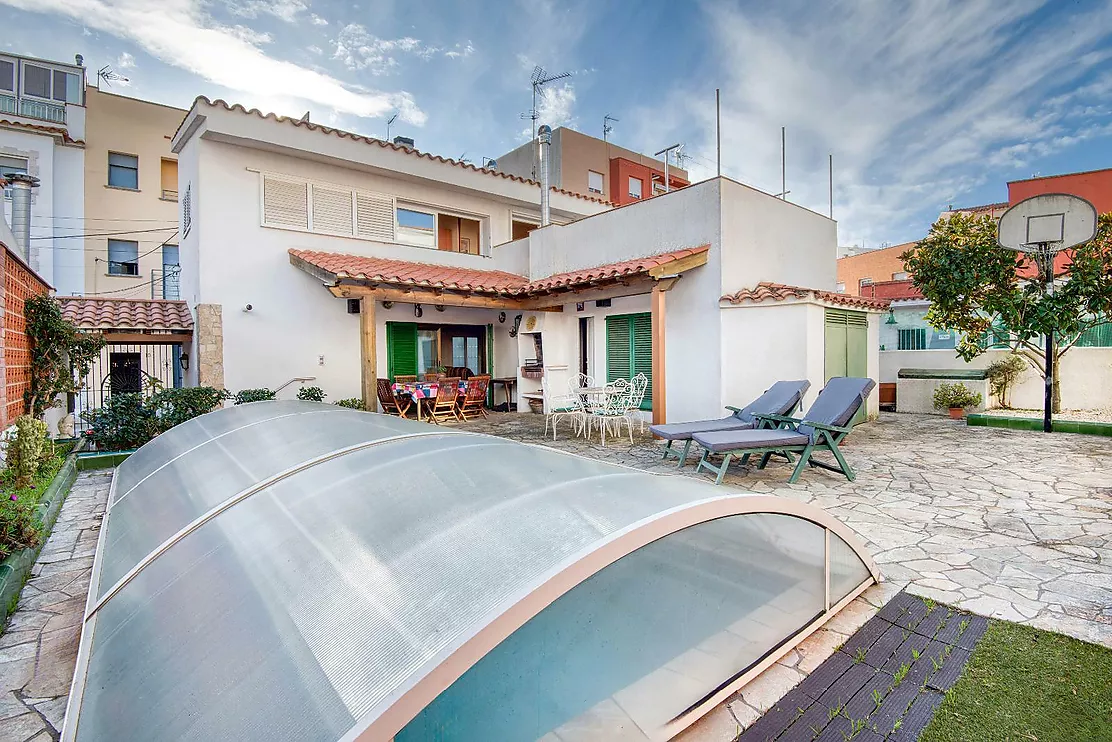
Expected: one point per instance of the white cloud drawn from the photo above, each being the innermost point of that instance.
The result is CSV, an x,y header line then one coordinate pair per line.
x,y
460,50
359,49
182,35
286,10
317,20
125,61
555,107
917,106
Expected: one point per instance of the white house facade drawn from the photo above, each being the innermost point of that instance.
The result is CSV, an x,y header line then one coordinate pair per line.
x,y
314,255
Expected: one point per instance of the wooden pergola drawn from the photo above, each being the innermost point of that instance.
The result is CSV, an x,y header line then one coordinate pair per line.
x,y
373,280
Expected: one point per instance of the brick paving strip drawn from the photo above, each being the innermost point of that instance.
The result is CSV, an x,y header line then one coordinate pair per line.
x,y
885,682
38,648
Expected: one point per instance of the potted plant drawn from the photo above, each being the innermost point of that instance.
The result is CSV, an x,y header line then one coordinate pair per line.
x,y
955,398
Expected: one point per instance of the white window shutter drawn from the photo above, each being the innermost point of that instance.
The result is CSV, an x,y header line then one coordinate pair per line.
x,y
331,210
375,213
285,203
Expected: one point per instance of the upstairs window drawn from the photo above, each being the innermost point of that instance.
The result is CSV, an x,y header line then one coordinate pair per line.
x,y
169,179
123,171
416,227
635,187
36,81
123,258
7,75
43,82
594,181
901,276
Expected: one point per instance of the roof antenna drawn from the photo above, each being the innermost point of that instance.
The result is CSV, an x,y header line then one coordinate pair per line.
x,y
304,119
540,78
606,127
107,74
389,123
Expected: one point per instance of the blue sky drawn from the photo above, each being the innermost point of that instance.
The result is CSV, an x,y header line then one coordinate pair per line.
x,y
923,103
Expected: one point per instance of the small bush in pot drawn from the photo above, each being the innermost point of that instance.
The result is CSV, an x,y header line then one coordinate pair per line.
x,y
955,398
352,403
311,394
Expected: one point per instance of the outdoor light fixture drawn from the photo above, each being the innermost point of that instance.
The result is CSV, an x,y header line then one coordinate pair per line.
x,y
417,311
501,317
438,307
183,359
891,318
387,305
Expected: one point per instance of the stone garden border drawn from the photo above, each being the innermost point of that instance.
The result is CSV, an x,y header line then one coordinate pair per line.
x,y
1029,423
15,570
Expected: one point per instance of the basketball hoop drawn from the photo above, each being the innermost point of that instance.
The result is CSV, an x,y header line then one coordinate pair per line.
x,y
1042,226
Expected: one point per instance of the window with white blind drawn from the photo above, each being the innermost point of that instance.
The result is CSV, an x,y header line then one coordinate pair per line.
x,y
594,181
635,187
290,203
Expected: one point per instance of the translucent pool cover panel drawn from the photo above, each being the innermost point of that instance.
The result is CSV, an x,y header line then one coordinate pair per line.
x,y
300,609
204,473
847,571
643,640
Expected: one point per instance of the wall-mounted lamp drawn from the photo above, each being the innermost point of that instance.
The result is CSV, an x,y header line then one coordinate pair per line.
x,y
183,359
438,307
891,318
387,305
501,317
417,311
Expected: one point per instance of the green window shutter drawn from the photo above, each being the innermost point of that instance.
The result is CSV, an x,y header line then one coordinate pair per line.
x,y
401,348
629,349
641,330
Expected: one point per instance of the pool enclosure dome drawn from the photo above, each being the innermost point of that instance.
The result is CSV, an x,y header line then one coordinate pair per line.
x,y
300,571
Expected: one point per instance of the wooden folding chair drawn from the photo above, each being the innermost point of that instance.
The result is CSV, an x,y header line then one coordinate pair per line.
x,y
442,407
392,404
473,401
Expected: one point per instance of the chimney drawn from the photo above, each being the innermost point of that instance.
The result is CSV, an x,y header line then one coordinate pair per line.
x,y
544,135
21,185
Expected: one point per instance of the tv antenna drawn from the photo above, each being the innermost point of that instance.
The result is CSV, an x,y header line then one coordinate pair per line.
x,y
389,123
109,76
539,79
606,127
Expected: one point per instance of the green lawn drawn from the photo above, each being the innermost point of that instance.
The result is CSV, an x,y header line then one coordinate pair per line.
x,y
1026,685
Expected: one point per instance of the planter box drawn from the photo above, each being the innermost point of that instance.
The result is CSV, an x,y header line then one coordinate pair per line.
x,y
15,569
1085,427
101,459
915,388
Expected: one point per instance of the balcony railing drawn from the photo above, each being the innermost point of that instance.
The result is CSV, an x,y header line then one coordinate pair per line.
x,y
34,109
168,195
166,283
8,103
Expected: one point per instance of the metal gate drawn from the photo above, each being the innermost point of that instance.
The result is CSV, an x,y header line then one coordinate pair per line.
x,y
847,347
128,369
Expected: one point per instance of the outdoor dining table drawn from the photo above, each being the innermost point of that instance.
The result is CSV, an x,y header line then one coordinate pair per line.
x,y
421,391
596,398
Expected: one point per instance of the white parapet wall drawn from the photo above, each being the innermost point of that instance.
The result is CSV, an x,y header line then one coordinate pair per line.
x,y
1085,383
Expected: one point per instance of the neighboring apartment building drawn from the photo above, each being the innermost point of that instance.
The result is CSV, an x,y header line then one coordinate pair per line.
x,y
131,189
857,271
42,133
589,166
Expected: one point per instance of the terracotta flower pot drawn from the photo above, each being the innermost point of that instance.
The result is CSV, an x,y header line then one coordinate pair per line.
x,y
957,413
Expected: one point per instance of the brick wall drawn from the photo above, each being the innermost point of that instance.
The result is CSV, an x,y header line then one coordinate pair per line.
x,y
20,283
876,265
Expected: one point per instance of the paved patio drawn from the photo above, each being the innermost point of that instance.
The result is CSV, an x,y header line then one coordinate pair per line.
x,y
1001,523
38,649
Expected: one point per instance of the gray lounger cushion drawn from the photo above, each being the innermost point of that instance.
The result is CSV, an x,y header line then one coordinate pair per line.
x,y
733,440
780,399
838,402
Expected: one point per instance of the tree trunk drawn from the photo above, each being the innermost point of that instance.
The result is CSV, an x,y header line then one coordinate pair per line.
x,y
1057,391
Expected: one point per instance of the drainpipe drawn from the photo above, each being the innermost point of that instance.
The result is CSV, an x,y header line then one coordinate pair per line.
x,y
545,136
21,185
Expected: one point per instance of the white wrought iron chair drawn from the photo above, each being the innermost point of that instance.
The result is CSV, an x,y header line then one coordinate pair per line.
x,y
612,410
556,408
637,388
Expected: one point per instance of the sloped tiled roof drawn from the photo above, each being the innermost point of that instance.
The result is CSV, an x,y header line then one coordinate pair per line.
x,y
766,291
219,103
58,131
96,313
405,273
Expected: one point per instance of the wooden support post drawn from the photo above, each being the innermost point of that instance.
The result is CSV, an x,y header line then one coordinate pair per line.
x,y
660,413
367,357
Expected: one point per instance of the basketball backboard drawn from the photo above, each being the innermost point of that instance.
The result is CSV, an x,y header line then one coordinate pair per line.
x,y
1050,222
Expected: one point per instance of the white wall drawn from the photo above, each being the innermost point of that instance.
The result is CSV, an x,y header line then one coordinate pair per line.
x,y
1085,384
68,260
771,343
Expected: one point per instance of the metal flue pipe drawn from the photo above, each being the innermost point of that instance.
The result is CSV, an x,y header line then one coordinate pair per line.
x,y
21,185
544,138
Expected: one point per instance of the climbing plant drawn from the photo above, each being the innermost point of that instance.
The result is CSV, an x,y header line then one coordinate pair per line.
x,y
60,354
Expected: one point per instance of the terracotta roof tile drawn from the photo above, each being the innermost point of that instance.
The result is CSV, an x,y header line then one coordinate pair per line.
x,y
58,131
405,273
96,313
219,103
766,291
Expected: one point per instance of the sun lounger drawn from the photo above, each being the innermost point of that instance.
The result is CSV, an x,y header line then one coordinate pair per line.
x,y
781,399
823,428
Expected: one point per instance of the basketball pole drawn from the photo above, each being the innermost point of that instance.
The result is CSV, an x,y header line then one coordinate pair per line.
x,y
1048,344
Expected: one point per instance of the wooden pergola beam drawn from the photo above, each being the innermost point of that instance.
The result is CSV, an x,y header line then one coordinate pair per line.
x,y
143,338
418,295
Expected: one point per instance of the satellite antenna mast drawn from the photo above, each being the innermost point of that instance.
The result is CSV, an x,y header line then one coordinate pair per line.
x,y
107,74
539,79
666,152
606,127
389,123
1042,226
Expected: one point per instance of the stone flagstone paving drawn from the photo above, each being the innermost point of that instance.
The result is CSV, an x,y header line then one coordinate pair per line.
x,y
39,646
1007,524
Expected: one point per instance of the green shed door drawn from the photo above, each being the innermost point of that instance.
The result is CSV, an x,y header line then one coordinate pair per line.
x,y
401,349
629,350
847,349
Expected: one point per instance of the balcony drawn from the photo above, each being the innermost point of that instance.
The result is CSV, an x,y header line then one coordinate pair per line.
x,y
32,109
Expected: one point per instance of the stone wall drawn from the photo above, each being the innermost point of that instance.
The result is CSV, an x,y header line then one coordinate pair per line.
x,y
209,329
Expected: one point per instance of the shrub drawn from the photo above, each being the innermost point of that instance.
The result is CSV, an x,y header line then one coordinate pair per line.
x,y
311,394
1003,374
352,403
254,395
175,406
125,421
27,449
18,527
950,396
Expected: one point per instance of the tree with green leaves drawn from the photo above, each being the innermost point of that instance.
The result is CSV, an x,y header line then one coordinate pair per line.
x,y
61,355
995,296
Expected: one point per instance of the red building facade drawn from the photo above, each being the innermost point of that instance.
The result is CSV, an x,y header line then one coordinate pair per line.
x,y
651,181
